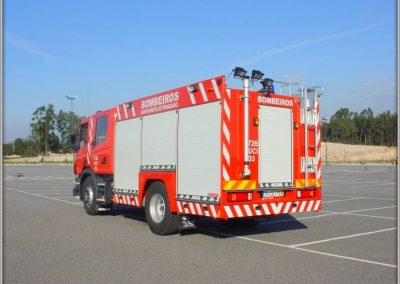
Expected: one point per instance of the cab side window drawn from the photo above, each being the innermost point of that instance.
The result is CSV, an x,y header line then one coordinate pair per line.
x,y
101,129
83,135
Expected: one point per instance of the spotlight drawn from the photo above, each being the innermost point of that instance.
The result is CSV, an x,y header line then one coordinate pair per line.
x,y
239,72
256,75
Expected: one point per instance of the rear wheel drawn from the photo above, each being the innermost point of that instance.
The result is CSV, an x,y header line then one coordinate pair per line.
x,y
158,214
90,196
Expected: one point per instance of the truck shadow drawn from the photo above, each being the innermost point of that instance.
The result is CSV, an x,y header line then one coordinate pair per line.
x,y
266,226
216,228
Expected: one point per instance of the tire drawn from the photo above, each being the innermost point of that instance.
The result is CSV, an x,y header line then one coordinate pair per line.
x,y
158,214
241,223
90,196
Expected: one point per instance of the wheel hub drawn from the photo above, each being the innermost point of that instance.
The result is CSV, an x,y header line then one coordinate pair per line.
x,y
88,195
157,208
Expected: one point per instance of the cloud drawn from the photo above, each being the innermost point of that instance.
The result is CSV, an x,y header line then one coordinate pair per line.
x,y
274,51
28,47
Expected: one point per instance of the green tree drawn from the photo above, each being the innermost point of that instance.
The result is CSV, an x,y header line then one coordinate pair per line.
x,y
7,149
67,124
42,125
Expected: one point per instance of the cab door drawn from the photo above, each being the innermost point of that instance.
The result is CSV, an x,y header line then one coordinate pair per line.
x,y
81,151
102,144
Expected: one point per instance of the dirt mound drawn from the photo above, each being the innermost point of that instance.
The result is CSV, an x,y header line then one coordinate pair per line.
x,y
345,153
51,158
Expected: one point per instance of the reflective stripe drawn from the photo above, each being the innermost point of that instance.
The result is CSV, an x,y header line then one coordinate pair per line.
x,y
276,209
203,92
192,208
199,211
228,92
125,111
228,211
248,211
287,207
310,205
258,211
303,204
317,203
227,110
214,214
226,132
216,90
225,174
179,206
226,154
238,211
192,100
118,114
266,210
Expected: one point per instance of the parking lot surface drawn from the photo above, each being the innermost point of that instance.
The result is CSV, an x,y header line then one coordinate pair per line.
x,y
48,238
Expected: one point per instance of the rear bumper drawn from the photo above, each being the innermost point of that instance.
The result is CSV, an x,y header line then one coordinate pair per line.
x,y
248,210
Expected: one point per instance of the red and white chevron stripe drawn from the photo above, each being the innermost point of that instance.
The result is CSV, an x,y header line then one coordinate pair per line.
x,y
196,208
249,210
318,143
126,111
226,136
126,199
208,91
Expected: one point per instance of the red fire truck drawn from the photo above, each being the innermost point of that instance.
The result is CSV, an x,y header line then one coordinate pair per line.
x,y
204,150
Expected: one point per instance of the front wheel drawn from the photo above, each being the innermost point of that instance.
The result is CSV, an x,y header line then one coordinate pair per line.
x,y
158,214
90,196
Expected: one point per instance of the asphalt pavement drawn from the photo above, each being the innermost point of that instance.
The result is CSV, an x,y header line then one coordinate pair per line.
x,y
48,238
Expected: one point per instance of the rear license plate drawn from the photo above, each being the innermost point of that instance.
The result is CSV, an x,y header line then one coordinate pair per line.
x,y
268,194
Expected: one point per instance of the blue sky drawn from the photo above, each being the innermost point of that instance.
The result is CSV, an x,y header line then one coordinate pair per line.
x,y
107,52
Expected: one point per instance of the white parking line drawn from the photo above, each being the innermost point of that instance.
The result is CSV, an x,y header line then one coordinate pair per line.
x,y
363,215
256,240
355,198
360,182
36,178
302,249
48,191
344,237
365,197
39,195
369,209
386,185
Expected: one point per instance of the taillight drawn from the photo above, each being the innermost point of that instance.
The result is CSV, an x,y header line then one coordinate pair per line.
x,y
239,196
305,193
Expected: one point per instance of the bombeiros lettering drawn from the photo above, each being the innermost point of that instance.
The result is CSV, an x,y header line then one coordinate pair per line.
x,y
275,101
160,103
160,100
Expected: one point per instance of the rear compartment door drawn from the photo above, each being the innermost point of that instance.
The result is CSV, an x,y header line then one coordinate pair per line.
x,y
276,140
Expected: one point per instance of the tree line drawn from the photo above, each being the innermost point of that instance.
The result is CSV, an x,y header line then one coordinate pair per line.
x,y
361,128
50,132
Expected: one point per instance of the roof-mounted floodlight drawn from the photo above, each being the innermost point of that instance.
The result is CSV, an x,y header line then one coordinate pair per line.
x,y
256,75
239,72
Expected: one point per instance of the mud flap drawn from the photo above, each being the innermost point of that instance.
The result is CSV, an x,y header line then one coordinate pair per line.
x,y
185,223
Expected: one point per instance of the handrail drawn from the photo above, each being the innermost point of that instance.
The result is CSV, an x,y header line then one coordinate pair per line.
x,y
289,85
